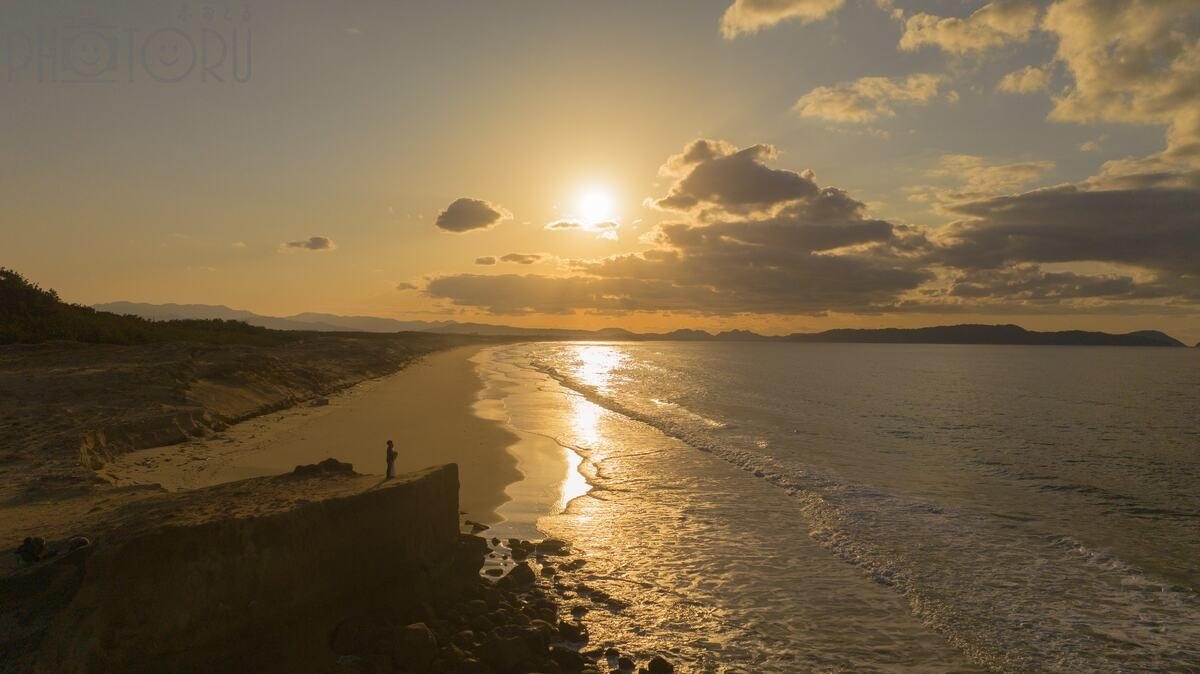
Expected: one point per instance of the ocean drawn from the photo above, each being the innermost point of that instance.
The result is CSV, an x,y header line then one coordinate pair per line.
x,y
772,507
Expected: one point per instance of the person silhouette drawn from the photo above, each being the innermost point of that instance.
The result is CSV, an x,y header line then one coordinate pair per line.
x,y
391,460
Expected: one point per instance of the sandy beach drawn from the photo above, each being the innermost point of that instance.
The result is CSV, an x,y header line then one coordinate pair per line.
x,y
426,409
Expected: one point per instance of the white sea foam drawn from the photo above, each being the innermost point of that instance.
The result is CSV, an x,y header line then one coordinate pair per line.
x,y
1005,588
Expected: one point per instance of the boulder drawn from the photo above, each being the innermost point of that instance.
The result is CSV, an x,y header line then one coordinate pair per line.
x,y
521,576
568,660
415,648
660,665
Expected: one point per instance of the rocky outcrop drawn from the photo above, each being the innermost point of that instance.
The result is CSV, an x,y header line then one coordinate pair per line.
x,y
247,576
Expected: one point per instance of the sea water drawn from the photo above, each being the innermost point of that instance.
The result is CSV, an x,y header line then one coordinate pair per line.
x,y
773,507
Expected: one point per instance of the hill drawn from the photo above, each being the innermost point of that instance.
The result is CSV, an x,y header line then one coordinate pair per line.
x,y
30,314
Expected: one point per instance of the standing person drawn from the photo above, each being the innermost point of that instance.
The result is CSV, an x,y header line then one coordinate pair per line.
x,y
391,460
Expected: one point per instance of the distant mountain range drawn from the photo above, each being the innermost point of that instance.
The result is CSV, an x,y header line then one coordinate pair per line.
x,y
945,334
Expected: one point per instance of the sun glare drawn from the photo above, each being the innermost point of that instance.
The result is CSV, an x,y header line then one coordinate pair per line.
x,y
595,205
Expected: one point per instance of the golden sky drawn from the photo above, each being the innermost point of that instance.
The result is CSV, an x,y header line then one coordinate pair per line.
x,y
777,166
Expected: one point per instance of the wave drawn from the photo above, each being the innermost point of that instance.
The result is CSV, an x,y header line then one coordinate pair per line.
x,y
1008,597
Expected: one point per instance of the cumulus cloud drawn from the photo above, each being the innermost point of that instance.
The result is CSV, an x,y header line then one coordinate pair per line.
x,y
993,25
788,246
869,98
464,215
764,240
311,243
716,175
1027,80
750,16
1133,62
521,258
485,260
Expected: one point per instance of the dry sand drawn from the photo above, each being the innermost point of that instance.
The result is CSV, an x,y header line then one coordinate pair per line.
x,y
426,409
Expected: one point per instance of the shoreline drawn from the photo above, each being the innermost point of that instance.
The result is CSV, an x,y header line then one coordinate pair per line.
x,y
425,408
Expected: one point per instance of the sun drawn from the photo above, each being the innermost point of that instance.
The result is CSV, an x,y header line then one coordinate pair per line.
x,y
595,205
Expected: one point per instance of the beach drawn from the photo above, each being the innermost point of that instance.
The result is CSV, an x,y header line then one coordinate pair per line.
x,y
426,409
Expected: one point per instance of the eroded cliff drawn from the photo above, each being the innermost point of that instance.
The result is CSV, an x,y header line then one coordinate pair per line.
x,y
246,576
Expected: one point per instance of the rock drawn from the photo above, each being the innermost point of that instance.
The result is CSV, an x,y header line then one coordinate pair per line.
x,y
660,665
31,549
320,402
495,541
552,546
464,639
481,624
494,572
626,663
505,652
572,632
567,659
326,467
548,570
476,607
521,576
415,647
77,542
476,527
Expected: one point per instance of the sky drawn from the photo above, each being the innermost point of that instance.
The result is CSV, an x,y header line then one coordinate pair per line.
x,y
774,165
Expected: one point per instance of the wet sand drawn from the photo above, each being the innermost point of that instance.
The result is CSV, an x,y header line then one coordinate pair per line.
x,y
426,409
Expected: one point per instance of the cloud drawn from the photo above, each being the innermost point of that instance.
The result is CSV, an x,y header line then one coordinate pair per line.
x,y
716,175
993,25
1092,145
1133,62
464,215
869,98
750,16
575,225
311,243
1027,80
405,286
485,260
521,258
753,239
238,245
764,240
1150,228
976,179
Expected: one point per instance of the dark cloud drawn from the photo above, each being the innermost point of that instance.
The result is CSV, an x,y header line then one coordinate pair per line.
x,y
715,175
311,243
814,251
760,240
464,215
521,258
1157,229
486,259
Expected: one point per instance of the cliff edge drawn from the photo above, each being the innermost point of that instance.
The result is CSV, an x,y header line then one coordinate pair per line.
x,y
245,576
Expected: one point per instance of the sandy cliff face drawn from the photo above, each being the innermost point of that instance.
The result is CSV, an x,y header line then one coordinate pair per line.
x,y
248,576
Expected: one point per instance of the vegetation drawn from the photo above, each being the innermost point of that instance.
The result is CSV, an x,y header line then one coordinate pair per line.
x,y
31,315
